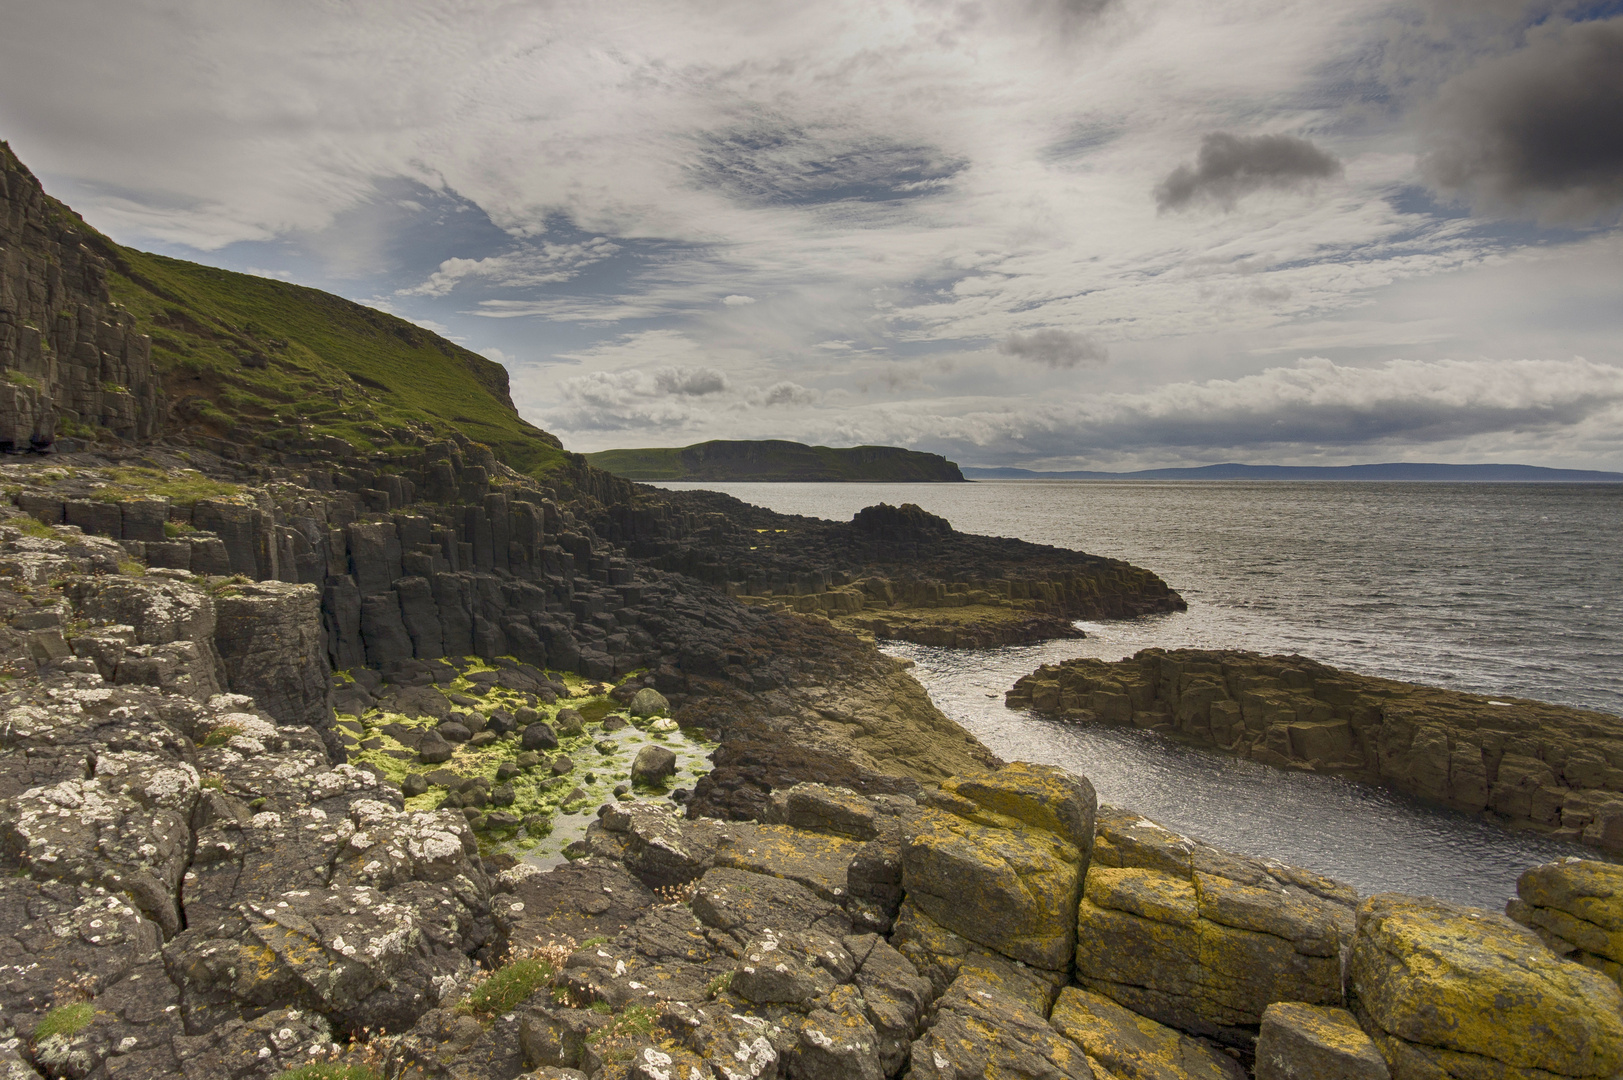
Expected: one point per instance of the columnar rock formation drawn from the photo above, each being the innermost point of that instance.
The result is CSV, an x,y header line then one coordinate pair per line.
x,y
69,358
1548,766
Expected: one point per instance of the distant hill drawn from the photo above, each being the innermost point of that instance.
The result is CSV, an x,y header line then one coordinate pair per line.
x,y
776,460
1413,472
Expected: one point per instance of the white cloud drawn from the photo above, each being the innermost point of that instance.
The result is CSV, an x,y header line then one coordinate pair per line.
x,y
944,212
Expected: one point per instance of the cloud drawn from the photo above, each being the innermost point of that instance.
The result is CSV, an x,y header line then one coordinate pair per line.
x,y
1057,349
773,161
538,264
787,393
737,300
1538,132
690,381
1230,167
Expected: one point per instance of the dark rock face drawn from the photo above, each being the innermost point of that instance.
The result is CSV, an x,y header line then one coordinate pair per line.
x,y
70,356
1552,767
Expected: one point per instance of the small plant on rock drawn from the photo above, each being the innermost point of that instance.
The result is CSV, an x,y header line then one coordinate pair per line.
x,y
221,734
65,1020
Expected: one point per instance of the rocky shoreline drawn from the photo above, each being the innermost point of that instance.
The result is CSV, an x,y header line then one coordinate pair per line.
x,y
337,745
1529,764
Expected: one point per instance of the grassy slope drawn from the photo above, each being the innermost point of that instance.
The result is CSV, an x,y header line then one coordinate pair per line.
x,y
769,460
655,463
242,355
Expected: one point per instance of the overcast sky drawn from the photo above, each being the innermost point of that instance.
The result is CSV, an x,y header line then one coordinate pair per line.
x,y
1050,233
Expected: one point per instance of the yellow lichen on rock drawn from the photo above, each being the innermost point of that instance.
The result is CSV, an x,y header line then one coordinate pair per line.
x,y
1134,1047
1446,989
1012,890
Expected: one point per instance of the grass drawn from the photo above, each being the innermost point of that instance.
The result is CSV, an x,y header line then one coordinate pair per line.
x,y
245,355
331,1070
221,734
508,987
185,489
65,1020
32,526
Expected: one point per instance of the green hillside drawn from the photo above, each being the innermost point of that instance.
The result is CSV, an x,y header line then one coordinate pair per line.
x,y
247,357
260,362
776,460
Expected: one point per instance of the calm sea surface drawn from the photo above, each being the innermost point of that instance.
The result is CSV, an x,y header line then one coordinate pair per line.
x,y
1507,589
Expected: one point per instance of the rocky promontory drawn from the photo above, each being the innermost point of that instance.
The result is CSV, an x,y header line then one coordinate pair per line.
x,y
777,461
1529,763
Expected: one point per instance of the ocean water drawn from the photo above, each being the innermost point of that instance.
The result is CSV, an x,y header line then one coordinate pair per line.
x,y
1509,589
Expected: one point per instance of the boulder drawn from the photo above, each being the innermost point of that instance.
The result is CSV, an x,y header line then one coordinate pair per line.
x,y
1309,1042
568,721
1450,990
649,702
434,750
538,736
1576,908
653,766
1134,1047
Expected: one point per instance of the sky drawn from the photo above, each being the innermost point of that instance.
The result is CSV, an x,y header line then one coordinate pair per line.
x,y
1057,234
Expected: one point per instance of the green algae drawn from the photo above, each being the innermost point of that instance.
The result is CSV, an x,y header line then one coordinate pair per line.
x,y
541,801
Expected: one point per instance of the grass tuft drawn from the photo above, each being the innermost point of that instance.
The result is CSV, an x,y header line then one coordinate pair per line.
x,y
331,1070
509,986
65,1020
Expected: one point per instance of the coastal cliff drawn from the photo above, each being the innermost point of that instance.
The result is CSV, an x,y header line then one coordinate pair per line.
x,y
1532,764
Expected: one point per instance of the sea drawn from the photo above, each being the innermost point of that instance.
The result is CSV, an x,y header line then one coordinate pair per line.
x,y
1502,589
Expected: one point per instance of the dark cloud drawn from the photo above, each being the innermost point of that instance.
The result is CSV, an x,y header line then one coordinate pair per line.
x,y
1230,167
782,164
1055,348
1538,132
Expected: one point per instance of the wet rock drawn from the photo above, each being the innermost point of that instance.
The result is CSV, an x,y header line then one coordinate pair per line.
x,y
1576,909
1134,1047
1307,1042
653,766
613,722
568,721
1446,989
562,765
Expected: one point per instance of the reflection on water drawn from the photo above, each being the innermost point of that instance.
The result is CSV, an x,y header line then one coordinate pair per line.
x,y
1374,840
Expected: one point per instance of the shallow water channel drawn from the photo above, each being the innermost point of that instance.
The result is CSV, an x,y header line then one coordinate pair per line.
x,y
1372,839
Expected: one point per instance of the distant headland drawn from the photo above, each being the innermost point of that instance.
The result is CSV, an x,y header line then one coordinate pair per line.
x,y
1413,472
774,460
